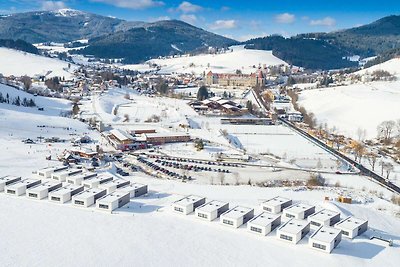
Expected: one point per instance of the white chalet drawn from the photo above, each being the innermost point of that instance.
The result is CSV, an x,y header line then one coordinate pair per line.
x,y
325,239
324,218
237,216
188,204
293,230
298,211
264,223
64,194
211,210
276,204
352,227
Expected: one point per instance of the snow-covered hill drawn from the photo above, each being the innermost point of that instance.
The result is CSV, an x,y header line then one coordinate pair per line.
x,y
392,66
17,63
243,59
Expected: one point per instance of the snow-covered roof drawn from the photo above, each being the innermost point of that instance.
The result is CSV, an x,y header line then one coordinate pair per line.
x,y
293,226
113,197
121,135
66,189
325,234
297,208
264,219
237,212
350,223
323,215
188,200
212,206
273,202
89,193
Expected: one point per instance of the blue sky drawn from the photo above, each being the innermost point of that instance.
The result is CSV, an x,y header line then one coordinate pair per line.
x,y
234,18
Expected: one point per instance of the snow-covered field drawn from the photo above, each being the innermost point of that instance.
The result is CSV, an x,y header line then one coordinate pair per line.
x,y
17,63
354,106
392,66
246,60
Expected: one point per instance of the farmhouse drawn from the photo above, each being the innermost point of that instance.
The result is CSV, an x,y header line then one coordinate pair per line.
x,y
64,194
324,218
41,191
352,227
188,204
113,201
211,210
293,230
19,188
113,185
264,223
298,211
325,239
276,205
237,216
78,179
95,181
162,138
63,175
134,189
47,172
7,180
88,198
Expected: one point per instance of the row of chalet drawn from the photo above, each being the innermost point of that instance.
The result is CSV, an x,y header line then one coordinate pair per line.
x,y
218,105
239,80
141,139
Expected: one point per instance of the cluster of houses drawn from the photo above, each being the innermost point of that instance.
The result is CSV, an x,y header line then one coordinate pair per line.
x,y
83,189
292,221
217,106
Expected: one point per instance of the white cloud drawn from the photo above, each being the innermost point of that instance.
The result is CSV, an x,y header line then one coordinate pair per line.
x,y
189,18
247,37
133,4
187,7
53,5
224,24
285,18
152,19
327,21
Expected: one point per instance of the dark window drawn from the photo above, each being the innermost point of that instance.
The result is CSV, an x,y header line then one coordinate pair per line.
x,y
102,206
202,215
55,198
286,237
319,246
178,209
255,229
79,202
229,222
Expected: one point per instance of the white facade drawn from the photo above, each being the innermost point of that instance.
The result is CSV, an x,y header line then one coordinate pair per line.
x,y
113,201
135,189
64,194
293,230
298,211
63,175
211,210
46,173
79,178
113,185
276,205
94,182
88,198
352,227
41,191
325,239
19,188
237,216
188,204
324,218
7,180
264,223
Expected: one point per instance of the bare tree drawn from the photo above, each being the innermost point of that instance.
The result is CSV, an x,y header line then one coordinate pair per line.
x,y
361,134
236,177
387,167
385,130
372,158
27,81
221,178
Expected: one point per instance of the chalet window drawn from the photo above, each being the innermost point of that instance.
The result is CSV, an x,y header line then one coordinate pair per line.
x,y
345,233
227,222
289,215
55,198
178,209
255,229
286,237
79,202
102,206
319,246
267,209
315,223
10,191
202,215
32,195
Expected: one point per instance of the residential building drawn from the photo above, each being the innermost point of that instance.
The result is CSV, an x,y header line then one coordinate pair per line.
x,y
237,216
352,227
64,194
324,218
188,204
293,230
211,210
276,205
299,211
264,223
325,239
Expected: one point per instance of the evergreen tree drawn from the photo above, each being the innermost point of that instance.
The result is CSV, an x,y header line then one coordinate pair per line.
x,y
202,93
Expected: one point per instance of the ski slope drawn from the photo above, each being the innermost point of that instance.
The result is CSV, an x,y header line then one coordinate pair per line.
x,y
18,63
392,66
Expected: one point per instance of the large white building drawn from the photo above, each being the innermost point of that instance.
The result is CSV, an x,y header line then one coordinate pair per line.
x,y
19,188
113,185
264,223
63,175
352,227
188,204
237,216
7,180
325,239
211,210
88,198
79,178
293,230
299,211
324,218
113,201
276,204
41,191
46,173
64,194
134,189
94,182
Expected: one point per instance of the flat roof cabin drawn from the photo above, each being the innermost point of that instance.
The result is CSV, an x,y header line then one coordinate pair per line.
x,y
211,210
7,180
237,216
94,182
135,189
276,204
63,175
88,198
299,211
113,201
79,178
264,223
324,218
41,191
19,188
64,194
352,227
293,230
325,239
113,185
188,204
47,172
